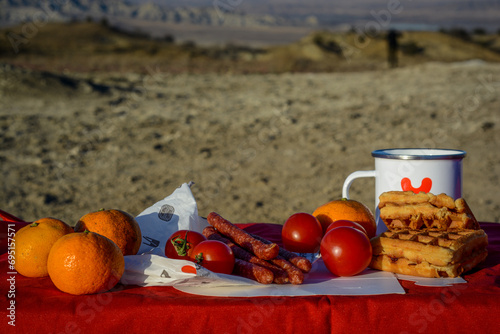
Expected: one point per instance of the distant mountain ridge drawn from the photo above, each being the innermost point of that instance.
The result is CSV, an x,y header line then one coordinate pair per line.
x,y
219,13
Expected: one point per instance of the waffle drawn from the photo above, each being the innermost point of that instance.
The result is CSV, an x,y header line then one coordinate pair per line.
x,y
430,253
401,210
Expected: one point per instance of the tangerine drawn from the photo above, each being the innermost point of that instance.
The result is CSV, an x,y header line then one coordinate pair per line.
x,y
116,225
33,243
346,209
85,263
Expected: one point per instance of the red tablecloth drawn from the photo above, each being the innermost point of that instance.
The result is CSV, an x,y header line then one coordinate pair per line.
x,y
41,308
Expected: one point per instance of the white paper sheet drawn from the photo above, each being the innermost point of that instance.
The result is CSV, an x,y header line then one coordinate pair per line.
x,y
431,282
318,282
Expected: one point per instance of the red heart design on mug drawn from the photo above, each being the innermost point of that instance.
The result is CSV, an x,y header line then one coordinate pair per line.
x,y
425,186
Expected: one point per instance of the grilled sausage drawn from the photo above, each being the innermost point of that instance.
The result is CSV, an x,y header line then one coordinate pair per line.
x,y
252,271
262,250
280,275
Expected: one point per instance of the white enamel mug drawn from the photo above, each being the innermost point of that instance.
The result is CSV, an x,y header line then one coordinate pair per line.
x,y
413,169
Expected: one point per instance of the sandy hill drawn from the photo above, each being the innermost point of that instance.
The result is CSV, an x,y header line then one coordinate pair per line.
x,y
91,46
337,51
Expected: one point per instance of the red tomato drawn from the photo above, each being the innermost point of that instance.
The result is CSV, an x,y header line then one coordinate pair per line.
x,y
181,244
343,222
346,251
214,255
302,233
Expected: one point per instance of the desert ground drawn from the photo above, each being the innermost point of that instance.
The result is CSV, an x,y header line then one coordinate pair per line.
x,y
258,146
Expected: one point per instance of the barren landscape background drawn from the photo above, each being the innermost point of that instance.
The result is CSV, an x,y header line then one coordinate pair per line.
x,y
92,117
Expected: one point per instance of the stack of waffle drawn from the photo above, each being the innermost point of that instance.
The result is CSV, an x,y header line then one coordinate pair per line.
x,y
428,235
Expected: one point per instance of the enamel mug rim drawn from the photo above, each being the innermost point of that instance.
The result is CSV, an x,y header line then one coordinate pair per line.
x,y
419,154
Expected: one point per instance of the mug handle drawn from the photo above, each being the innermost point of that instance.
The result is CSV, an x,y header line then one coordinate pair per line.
x,y
348,181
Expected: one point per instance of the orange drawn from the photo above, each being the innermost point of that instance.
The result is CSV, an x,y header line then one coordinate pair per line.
x,y
116,225
347,209
85,263
33,243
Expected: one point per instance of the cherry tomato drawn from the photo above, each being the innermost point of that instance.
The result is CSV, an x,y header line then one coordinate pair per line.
x,y
302,233
346,251
181,244
214,255
343,222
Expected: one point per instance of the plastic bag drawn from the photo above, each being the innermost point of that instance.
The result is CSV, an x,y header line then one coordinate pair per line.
x,y
175,212
155,270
